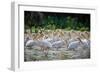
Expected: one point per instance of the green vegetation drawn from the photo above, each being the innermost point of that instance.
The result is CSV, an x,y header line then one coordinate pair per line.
x,y
35,21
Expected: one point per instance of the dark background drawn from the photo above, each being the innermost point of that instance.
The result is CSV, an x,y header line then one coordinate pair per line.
x,y
55,20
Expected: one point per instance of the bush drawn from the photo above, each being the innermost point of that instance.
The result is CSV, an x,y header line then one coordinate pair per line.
x,y
36,30
83,29
68,28
33,29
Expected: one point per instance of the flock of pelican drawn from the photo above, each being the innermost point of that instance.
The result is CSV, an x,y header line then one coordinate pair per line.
x,y
58,39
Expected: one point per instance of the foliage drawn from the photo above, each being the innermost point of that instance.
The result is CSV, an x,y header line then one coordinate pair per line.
x,y
48,20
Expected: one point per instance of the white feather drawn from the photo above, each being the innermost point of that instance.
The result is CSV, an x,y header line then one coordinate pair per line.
x,y
42,43
76,44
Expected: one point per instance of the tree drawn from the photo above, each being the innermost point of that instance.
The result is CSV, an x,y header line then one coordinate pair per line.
x,y
32,19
